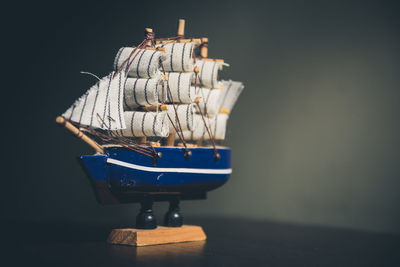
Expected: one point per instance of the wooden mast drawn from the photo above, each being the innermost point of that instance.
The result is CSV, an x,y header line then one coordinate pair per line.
x,y
204,48
148,31
181,34
149,44
196,41
171,139
203,55
181,28
78,133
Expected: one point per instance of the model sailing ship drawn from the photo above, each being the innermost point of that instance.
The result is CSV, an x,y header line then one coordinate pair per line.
x,y
156,122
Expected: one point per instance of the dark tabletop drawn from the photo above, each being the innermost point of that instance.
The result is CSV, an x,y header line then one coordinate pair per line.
x,y
231,242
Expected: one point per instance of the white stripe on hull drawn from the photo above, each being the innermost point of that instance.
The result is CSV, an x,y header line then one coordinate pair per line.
x,y
176,170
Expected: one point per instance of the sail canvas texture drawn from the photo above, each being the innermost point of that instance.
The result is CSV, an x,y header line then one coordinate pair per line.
x,y
209,101
141,92
102,105
139,124
180,86
182,119
213,101
179,57
230,94
142,63
219,126
216,125
208,74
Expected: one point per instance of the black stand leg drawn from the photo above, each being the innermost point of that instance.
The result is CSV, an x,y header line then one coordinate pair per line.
x,y
173,218
146,219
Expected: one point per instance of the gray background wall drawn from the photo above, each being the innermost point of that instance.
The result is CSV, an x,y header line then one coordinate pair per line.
x,y
315,134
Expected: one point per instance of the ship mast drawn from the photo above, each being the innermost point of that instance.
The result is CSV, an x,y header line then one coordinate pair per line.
x,y
181,29
204,48
181,34
149,35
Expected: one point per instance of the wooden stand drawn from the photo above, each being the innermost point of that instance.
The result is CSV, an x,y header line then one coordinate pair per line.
x,y
158,236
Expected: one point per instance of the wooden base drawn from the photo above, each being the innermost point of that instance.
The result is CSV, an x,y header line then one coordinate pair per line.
x,y
158,236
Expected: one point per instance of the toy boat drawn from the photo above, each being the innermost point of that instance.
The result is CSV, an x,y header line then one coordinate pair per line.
x,y
156,122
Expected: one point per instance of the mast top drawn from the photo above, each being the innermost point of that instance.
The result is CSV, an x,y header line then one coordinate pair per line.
x,y
204,47
181,28
149,35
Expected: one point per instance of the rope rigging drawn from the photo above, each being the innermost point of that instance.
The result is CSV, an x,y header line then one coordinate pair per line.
x,y
115,137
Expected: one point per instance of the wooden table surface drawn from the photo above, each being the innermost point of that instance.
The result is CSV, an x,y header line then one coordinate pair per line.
x,y
231,242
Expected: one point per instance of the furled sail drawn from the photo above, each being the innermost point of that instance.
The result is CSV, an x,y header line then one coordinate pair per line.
x,y
215,101
143,63
180,86
229,95
102,105
184,119
179,57
139,124
209,101
141,92
217,126
208,74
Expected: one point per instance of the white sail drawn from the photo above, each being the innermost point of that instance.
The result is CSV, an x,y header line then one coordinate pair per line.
x,y
180,86
230,94
139,124
217,126
178,56
141,92
102,105
209,101
208,74
143,63
184,118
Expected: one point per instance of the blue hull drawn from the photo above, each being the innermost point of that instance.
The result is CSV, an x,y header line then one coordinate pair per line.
x,y
124,176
